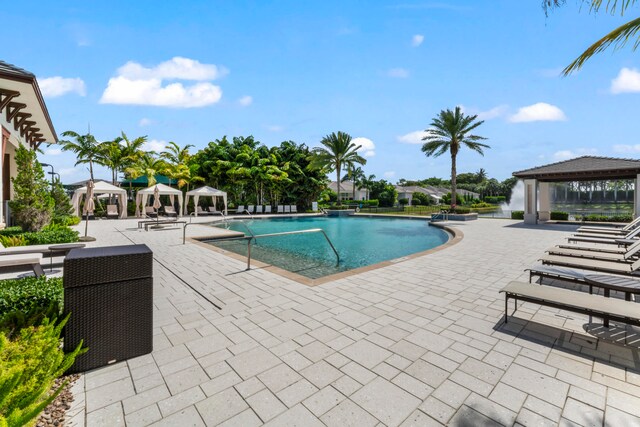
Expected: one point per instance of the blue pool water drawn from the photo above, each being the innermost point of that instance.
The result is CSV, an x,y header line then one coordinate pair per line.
x,y
360,241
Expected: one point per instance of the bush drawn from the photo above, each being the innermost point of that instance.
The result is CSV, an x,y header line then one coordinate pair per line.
x,y
482,205
51,234
495,200
9,241
28,366
559,216
461,210
403,201
603,218
517,214
11,231
67,220
26,302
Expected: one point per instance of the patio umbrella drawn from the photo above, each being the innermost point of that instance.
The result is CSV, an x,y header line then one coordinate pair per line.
x,y
89,206
156,200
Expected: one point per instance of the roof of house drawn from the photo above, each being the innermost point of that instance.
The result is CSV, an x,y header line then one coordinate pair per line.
x,y
23,105
583,168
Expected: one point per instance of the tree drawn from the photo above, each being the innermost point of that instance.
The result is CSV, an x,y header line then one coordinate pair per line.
x,y
481,175
450,131
149,166
85,148
111,155
356,176
618,37
367,183
338,151
32,205
177,163
62,207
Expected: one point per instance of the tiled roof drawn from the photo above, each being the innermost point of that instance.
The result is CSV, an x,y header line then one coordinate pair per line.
x,y
6,68
583,166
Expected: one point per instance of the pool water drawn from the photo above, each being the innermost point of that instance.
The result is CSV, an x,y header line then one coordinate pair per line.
x,y
360,241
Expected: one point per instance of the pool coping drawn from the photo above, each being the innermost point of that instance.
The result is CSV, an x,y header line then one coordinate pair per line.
x,y
455,236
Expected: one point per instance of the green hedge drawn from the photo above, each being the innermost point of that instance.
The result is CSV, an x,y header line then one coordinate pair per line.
x,y
603,218
517,214
495,200
559,216
28,366
27,301
50,235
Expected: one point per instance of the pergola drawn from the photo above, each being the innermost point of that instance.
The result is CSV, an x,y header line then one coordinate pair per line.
x,y
537,204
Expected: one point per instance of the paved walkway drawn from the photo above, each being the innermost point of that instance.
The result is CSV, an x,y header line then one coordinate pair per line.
x,y
421,342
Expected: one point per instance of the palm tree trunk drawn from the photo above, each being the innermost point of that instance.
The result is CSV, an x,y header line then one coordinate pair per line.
x,y
338,181
454,180
91,169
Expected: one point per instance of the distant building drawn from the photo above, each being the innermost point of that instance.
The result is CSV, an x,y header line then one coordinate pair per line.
x,y
346,190
24,119
435,193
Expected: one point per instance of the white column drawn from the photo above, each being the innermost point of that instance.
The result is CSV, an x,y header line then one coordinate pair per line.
x,y
530,201
636,199
544,201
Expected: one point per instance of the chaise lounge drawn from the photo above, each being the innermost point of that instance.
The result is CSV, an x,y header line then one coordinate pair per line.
x,y
31,260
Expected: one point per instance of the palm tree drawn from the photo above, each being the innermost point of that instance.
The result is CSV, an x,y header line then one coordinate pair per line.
x,y
338,151
356,176
85,148
618,37
177,159
148,166
368,183
481,175
450,131
111,155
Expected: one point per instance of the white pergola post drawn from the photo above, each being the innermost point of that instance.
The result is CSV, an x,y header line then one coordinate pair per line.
x,y
530,201
545,202
636,199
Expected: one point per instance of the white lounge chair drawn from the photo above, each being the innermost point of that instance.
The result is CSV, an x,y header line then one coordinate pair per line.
x,y
239,209
280,209
610,230
249,209
150,212
267,209
10,262
287,208
258,209
170,211
112,211
294,209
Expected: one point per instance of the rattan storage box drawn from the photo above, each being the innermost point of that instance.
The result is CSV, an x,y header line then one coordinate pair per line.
x,y
109,293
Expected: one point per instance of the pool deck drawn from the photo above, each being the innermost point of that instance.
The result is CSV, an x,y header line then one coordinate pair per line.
x,y
421,342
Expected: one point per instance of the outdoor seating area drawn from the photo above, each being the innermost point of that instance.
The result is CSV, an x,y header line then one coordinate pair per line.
x,y
266,209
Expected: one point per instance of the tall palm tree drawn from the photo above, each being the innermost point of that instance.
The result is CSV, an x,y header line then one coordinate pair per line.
x,y
338,151
176,159
85,148
618,37
368,183
481,175
111,155
355,175
148,166
132,151
450,131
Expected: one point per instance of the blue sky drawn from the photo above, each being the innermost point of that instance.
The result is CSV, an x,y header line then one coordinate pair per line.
x,y
193,71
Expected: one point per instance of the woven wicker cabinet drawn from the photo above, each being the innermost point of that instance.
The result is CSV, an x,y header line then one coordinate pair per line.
x,y
109,293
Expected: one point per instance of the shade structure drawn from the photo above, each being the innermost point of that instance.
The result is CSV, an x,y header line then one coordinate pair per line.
x,y
101,187
205,192
163,190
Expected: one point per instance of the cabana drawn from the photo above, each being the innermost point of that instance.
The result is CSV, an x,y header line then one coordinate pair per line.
x,y
164,190
101,187
205,192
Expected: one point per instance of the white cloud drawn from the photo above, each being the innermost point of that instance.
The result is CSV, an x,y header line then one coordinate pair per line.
x,y
538,112
628,80
139,85
57,86
245,101
52,151
389,174
154,145
417,40
175,68
624,148
368,148
570,154
493,113
413,137
398,73
275,128
145,122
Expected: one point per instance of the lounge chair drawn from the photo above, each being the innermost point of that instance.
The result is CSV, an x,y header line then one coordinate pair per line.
x,y
150,212
626,254
258,209
267,209
604,239
580,302
11,262
611,230
287,208
112,211
294,209
239,209
170,211
615,267
201,211
249,209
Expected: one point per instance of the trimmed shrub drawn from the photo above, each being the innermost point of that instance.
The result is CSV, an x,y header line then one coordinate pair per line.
x,y
403,201
517,214
28,366
51,235
462,210
28,301
559,216
11,231
603,218
482,205
66,220
495,200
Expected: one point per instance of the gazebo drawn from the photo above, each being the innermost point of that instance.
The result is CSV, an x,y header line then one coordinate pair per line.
x,y
101,187
537,205
164,190
205,192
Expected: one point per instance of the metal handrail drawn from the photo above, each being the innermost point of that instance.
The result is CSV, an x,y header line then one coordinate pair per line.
x,y
286,233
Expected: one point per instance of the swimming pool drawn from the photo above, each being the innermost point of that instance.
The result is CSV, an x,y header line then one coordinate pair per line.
x,y
360,241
